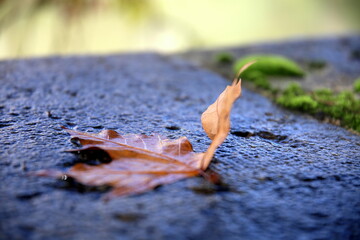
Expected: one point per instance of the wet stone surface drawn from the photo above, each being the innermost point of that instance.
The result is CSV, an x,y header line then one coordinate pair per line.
x,y
287,176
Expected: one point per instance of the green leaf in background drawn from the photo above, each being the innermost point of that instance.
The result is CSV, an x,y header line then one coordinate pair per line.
x,y
269,65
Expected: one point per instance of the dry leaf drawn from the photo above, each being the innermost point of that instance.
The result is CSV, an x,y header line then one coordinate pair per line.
x,y
216,119
140,163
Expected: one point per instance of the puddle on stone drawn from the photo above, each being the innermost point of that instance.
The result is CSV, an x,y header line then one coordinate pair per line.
x,y
261,134
28,196
172,127
270,136
5,124
128,217
245,134
70,124
96,126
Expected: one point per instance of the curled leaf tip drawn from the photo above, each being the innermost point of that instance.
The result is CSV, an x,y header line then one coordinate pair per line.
x,y
242,69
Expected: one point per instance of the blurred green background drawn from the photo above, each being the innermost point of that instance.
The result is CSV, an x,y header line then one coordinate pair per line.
x,y
44,27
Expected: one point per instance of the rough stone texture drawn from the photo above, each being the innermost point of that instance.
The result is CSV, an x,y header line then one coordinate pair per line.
x,y
289,176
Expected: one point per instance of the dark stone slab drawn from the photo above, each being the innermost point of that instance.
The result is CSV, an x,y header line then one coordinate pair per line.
x,y
288,176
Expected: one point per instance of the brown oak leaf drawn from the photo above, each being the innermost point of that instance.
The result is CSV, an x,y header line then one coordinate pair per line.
x,y
139,162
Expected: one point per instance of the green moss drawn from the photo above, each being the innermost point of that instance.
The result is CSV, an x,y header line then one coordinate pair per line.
x,y
294,97
259,80
224,58
254,74
357,85
269,65
323,93
294,89
263,83
345,99
302,103
343,106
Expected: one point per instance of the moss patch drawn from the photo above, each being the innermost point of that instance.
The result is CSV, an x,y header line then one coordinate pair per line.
x,y
343,107
357,85
224,58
